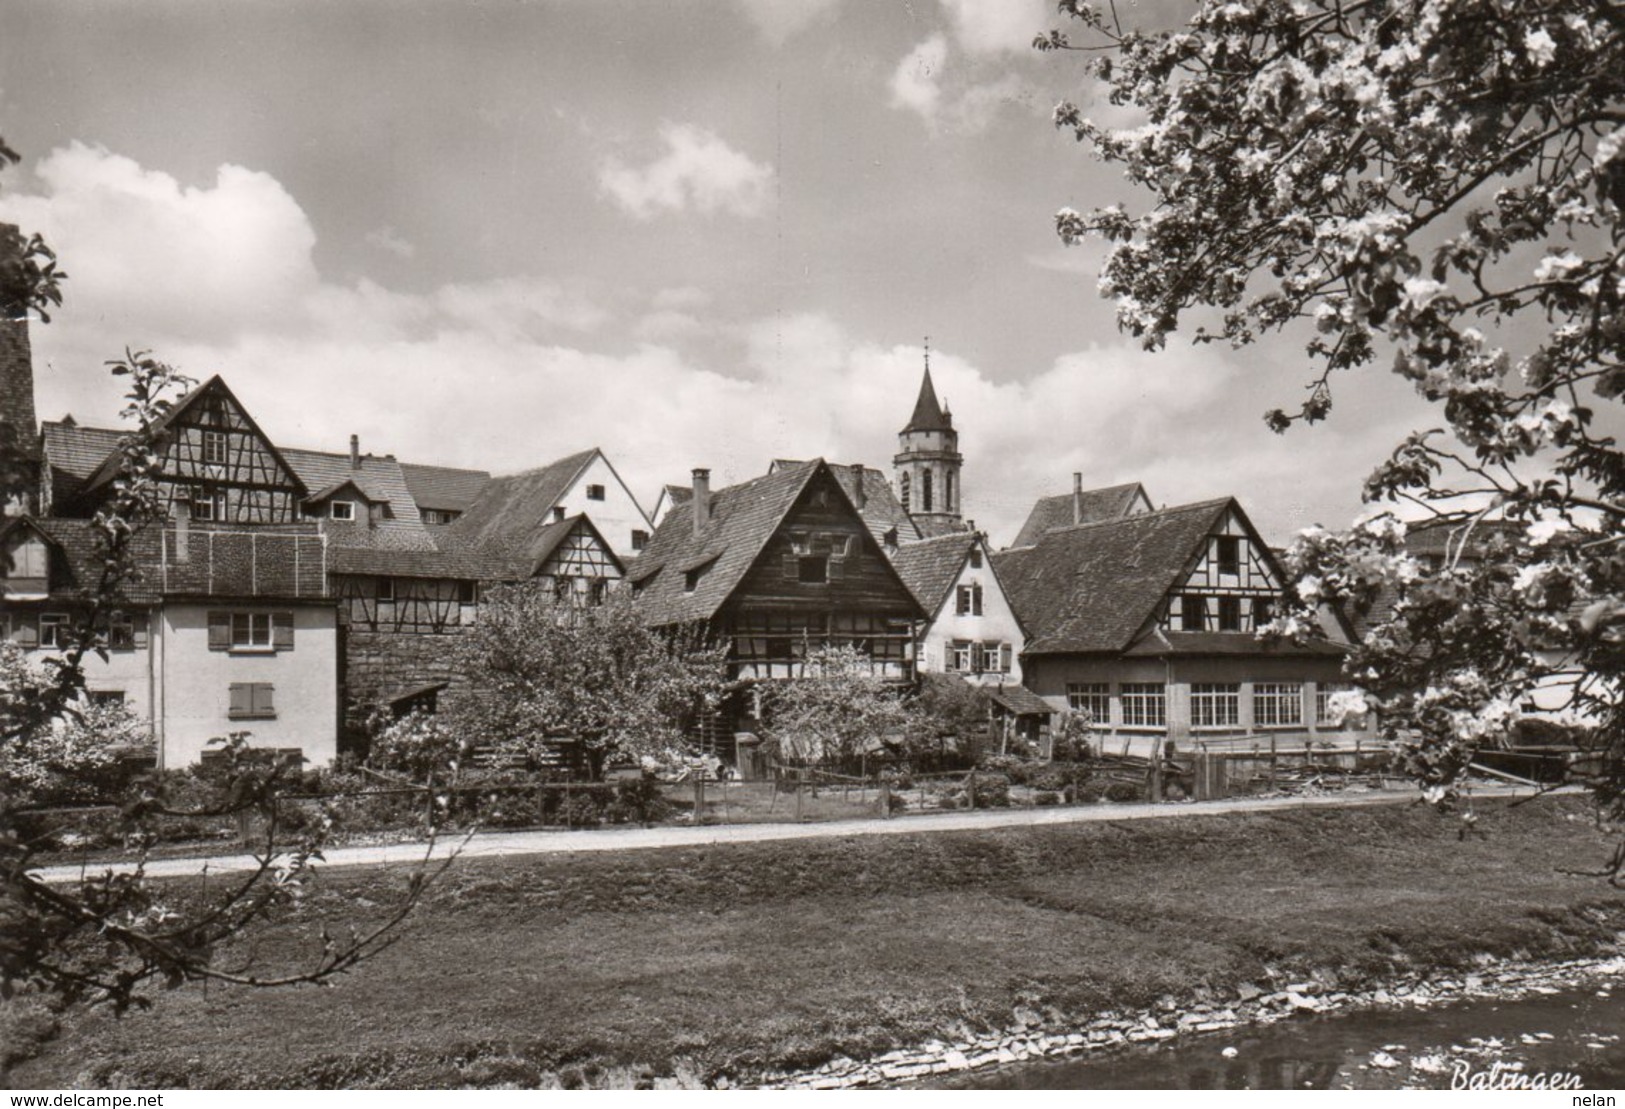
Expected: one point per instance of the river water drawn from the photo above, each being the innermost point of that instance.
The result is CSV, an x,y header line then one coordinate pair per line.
x,y
1573,1034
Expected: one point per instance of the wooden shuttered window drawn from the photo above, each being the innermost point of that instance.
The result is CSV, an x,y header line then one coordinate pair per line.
x,y
25,631
252,701
282,631
219,631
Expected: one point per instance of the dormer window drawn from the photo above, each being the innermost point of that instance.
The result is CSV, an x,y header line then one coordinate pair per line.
x,y
25,567
341,510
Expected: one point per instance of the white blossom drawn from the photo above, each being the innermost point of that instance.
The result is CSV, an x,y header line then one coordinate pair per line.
x,y
1540,46
1558,265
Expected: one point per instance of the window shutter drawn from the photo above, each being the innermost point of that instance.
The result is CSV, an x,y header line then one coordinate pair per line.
x,y
790,565
26,633
263,699
961,601
138,622
950,657
242,700
976,599
837,567
282,631
219,631
1005,657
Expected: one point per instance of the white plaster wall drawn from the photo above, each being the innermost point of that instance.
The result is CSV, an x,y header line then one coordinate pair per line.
x,y
617,516
195,684
997,623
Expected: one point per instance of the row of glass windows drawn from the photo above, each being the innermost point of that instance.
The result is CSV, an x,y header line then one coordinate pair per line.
x,y
1213,704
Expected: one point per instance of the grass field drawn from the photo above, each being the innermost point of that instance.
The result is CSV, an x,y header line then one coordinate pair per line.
x,y
750,956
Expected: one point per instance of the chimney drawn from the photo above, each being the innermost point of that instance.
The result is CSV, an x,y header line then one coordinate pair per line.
x,y
355,452
702,498
1077,498
860,498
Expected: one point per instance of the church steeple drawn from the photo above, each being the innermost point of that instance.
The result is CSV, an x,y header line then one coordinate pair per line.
x,y
927,462
928,414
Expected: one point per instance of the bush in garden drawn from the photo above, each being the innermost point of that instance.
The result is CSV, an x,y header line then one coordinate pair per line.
x,y
1087,793
1125,791
989,791
639,801
416,746
896,802
1046,798
581,810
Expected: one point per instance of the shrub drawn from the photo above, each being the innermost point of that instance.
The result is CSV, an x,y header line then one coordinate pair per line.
x,y
417,745
1046,798
1125,791
896,802
639,801
1087,793
989,791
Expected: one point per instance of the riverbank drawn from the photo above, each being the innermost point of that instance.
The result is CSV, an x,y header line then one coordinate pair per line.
x,y
751,962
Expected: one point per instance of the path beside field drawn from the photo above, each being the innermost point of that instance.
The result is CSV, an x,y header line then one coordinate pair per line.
x,y
494,844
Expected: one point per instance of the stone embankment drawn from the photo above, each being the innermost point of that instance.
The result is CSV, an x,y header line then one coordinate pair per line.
x,y
1034,1036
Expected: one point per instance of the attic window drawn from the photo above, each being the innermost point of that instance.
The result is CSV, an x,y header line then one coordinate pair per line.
x,y
558,513
1230,614
640,540
976,558
812,569
691,579
595,492
1227,552
341,510
214,448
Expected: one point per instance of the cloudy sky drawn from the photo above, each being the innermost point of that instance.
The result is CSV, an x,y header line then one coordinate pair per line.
x,y
708,232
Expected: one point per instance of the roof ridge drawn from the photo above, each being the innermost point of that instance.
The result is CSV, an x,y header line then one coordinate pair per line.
x,y
1119,520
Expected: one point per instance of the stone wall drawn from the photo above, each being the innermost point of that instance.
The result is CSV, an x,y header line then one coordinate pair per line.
x,y
380,665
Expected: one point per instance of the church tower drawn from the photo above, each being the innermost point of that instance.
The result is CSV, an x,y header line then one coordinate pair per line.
x,y
19,429
927,464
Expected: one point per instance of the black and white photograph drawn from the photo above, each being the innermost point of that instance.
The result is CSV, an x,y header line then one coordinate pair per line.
x,y
918,546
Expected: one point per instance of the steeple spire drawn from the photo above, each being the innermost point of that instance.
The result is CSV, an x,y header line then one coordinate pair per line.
x,y
928,414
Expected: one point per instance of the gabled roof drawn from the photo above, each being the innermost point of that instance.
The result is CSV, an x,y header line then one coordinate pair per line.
x,y
510,508
443,487
380,480
1094,505
78,450
80,553
339,486
1094,587
928,414
741,521
110,466
930,567
519,555
882,511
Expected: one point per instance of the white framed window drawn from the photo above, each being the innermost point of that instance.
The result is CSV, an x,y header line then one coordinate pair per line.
x,y
1215,705
595,492
54,630
121,631
1192,612
214,448
1324,717
468,592
1144,704
640,540
959,656
1277,704
386,589
996,657
341,510
250,632
969,600
1094,698
208,504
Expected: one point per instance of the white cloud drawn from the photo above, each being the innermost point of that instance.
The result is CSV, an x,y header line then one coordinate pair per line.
x,y
998,26
389,240
778,20
511,373
698,170
916,83
945,96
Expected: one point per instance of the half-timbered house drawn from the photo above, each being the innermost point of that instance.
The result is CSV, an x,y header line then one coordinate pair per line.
x,y
1147,623
584,483
776,567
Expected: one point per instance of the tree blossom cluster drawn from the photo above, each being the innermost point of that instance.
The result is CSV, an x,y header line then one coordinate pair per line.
x,y
1437,185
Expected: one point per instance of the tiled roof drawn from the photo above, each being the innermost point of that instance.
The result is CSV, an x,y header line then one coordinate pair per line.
x,y
79,450
269,561
1166,644
742,519
1020,700
881,510
512,510
381,480
679,494
928,414
930,567
1095,505
443,487
1093,587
